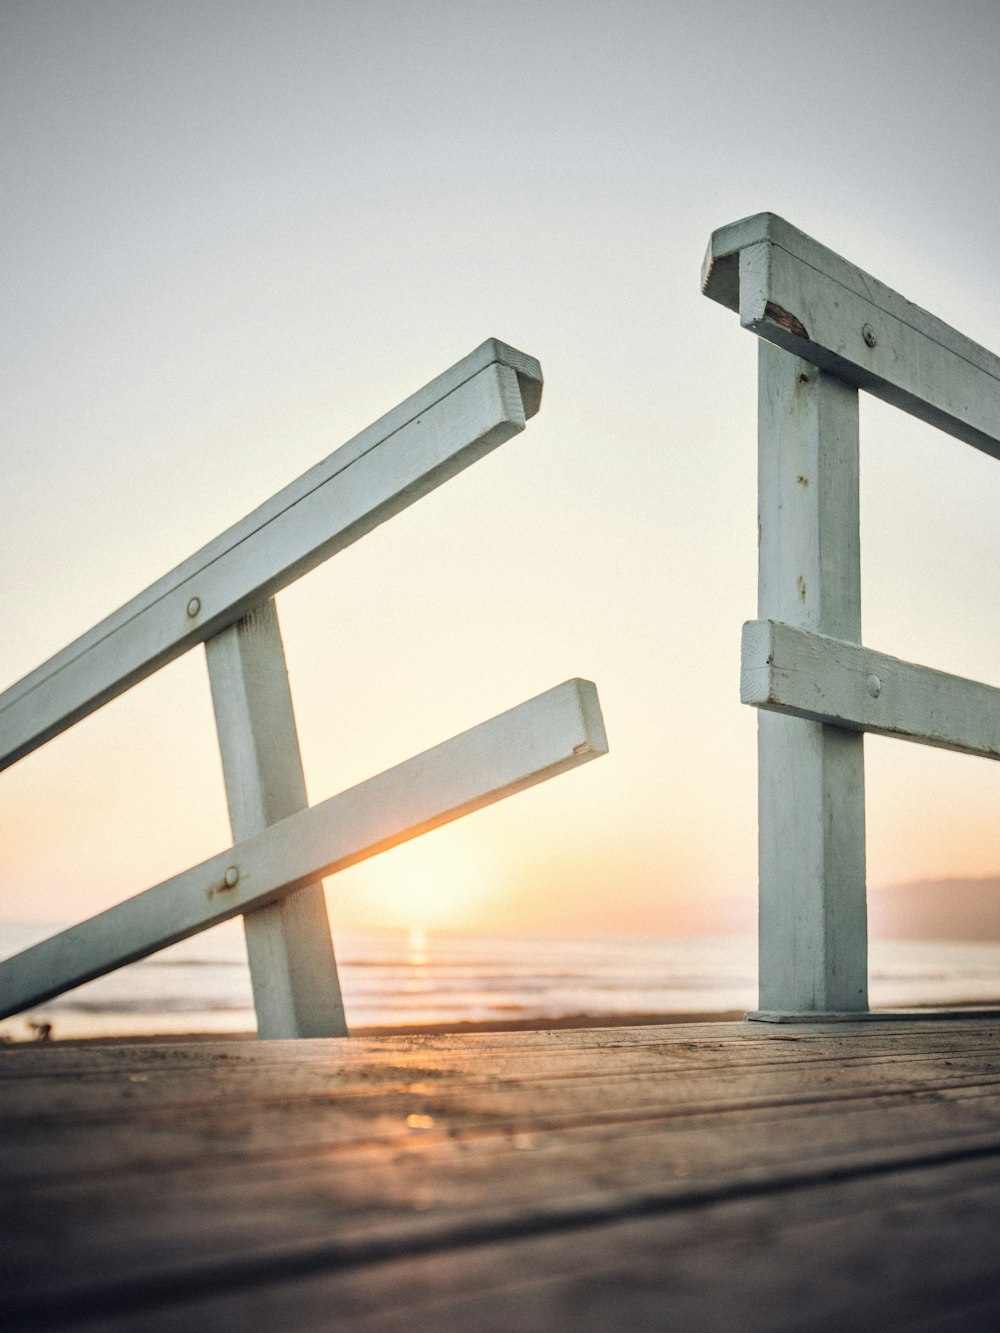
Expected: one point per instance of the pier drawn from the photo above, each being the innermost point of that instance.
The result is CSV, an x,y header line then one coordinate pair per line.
x,y
707,1176
825,1167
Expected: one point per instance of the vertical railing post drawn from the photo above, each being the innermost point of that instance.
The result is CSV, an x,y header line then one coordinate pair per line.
x,y
293,971
813,927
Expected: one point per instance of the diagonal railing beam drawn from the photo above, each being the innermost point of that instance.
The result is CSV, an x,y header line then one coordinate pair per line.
x,y
454,420
538,739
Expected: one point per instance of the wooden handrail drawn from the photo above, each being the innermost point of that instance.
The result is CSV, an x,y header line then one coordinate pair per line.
x,y
811,302
550,734
451,422
827,330
791,671
223,597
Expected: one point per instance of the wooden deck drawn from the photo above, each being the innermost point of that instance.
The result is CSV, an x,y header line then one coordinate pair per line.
x,y
698,1177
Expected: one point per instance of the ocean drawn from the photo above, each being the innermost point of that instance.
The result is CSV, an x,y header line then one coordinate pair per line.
x,y
395,978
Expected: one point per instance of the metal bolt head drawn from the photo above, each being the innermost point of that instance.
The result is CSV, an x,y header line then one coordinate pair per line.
x,y
232,877
194,606
868,333
874,686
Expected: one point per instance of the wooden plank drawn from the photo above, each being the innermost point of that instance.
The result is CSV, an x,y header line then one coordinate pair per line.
x,y
910,1251
813,927
96,1086
170,1118
363,1199
293,971
806,299
444,427
803,674
142,1244
211,1061
801,1117
373,1097
547,735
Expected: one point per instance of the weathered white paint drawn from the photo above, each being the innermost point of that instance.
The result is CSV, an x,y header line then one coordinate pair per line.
x,y
829,329
794,671
296,991
547,735
223,596
813,303
449,424
813,931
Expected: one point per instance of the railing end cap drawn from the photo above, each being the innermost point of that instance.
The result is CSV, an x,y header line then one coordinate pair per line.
x,y
720,270
527,369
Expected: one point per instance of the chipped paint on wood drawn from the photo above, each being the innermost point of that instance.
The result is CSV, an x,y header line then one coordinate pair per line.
x,y
792,291
786,320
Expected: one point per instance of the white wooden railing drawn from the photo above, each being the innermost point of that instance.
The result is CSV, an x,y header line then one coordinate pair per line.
x,y
827,330
223,597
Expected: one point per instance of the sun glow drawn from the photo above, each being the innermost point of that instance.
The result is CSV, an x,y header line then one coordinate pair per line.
x,y
436,882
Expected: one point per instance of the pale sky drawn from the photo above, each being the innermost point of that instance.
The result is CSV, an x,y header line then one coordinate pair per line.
x,y
234,233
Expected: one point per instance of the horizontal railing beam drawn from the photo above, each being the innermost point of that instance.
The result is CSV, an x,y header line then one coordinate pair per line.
x,y
547,735
444,427
807,675
811,302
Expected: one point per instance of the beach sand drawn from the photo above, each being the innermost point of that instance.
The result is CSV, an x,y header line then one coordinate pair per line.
x,y
566,1021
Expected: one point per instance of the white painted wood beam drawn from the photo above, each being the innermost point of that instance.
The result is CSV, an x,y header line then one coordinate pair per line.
x,y
813,928
808,675
809,301
547,735
293,970
444,427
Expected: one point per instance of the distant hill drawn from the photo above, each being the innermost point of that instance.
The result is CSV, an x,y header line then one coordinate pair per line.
x,y
937,909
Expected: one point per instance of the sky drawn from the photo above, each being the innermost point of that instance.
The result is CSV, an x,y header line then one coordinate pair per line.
x,y
233,233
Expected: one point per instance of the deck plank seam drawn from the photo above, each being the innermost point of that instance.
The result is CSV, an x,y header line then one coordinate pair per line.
x,y
147,1292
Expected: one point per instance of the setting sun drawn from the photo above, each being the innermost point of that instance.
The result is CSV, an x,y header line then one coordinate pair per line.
x,y
438,881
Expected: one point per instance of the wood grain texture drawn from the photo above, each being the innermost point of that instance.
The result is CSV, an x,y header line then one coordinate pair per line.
x,y
804,674
550,734
803,297
454,420
649,1178
293,971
